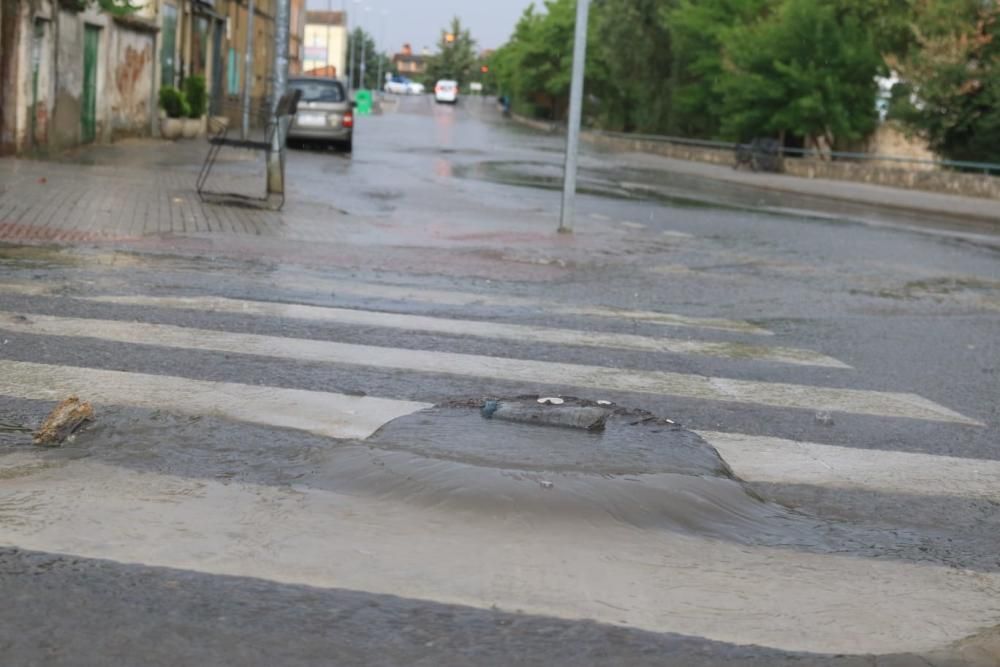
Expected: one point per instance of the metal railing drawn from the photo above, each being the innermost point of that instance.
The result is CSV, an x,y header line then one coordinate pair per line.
x,y
987,168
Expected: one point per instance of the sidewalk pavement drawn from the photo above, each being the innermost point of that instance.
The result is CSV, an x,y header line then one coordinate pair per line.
x,y
147,190
141,193
952,207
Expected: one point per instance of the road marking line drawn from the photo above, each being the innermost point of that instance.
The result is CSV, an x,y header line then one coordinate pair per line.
x,y
766,460
481,329
591,568
451,298
780,395
454,298
327,414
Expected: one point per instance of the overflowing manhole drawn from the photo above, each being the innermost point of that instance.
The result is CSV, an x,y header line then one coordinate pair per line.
x,y
533,459
567,435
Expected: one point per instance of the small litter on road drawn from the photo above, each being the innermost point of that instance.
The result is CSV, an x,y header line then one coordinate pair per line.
x,y
824,418
62,422
551,401
584,417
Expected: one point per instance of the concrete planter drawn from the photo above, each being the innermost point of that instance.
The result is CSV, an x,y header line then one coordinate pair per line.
x,y
172,128
192,127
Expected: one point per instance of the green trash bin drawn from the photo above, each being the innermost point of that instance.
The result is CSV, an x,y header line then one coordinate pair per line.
x,y
364,100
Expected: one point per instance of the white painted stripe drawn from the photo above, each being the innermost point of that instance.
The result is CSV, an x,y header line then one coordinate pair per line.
x,y
515,332
883,404
764,459
332,415
29,289
590,567
451,298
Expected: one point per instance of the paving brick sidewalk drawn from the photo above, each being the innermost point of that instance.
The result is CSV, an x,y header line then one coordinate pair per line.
x,y
142,191
61,201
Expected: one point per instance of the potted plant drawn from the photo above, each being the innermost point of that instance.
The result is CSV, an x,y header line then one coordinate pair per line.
x,y
196,96
173,104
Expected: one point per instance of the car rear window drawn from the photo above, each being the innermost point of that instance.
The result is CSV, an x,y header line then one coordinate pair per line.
x,y
320,91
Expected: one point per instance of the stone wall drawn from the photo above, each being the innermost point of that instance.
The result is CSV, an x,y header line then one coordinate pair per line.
x,y
940,180
929,180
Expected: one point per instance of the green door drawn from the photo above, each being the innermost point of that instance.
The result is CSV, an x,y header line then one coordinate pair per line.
x,y
88,98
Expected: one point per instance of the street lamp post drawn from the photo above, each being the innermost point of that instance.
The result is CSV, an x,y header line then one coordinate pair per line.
x,y
352,46
575,113
276,158
380,51
247,74
364,56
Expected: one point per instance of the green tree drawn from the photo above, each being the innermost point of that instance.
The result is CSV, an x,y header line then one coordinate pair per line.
x,y
951,89
698,31
806,69
534,67
365,49
634,46
456,58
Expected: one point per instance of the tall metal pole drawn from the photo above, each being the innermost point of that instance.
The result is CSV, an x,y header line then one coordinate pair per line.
x,y
352,45
379,83
364,59
247,73
575,113
276,158
329,26
350,68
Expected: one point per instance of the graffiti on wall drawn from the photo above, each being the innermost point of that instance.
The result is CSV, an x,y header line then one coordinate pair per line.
x,y
133,74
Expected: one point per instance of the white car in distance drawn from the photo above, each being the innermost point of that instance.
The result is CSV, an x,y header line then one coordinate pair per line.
x,y
446,92
400,85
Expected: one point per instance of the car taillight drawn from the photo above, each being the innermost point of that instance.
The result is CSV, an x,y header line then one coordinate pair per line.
x,y
348,119
438,89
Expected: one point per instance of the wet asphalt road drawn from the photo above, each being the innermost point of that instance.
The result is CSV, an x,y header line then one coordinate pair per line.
x,y
470,202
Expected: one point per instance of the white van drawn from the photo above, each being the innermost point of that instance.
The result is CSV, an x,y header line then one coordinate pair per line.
x,y
446,92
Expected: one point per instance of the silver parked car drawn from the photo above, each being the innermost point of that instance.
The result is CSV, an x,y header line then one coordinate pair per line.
x,y
325,114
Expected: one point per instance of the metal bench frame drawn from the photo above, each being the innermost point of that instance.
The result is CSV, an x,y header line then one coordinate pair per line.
x,y
286,108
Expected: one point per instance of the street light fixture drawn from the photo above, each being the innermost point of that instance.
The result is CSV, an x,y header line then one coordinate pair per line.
x,y
364,54
353,47
575,114
380,83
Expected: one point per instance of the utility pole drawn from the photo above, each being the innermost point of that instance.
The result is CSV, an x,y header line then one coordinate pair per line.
x,y
276,159
380,83
329,26
350,68
247,74
575,114
364,59
352,45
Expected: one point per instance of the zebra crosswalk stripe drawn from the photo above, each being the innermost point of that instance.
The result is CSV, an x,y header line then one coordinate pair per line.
x,y
778,460
327,414
383,291
606,379
481,329
753,458
367,290
588,568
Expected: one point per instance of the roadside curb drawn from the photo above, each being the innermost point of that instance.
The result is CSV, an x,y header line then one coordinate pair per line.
x,y
990,221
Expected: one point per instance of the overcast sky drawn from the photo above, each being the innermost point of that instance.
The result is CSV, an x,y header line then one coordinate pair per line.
x,y
419,22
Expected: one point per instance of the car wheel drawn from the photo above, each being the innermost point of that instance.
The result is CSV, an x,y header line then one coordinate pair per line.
x,y
347,146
